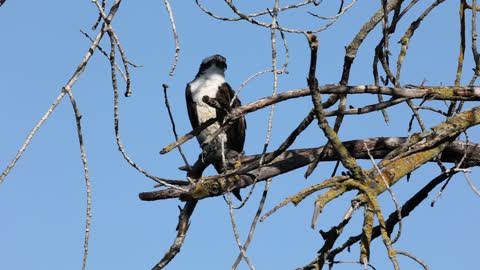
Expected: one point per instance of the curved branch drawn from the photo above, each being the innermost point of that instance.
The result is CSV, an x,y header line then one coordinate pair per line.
x,y
253,14
175,37
246,17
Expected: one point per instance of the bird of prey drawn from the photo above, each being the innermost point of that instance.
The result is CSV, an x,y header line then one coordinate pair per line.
x,y
210,82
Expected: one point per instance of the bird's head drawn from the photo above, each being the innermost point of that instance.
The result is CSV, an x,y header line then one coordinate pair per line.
x,y
213,64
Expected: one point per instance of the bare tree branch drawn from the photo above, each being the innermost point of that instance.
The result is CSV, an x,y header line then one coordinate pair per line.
x,y
83,155
175,37
294,159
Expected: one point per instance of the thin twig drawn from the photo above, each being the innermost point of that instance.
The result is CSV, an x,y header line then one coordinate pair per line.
x,y
461,53
385,33
415,115
162,181
273,39
432,109
83,155
413,257
336,16
336,127
253,14
394,198
287,54
283,70
439,194
105,54
298,197
254,223
113,34
251,20
99,19
470,183
175,37
476,58
174,129
332,235
474,40
244,83
243,254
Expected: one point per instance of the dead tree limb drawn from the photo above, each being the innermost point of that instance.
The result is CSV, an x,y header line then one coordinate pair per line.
x,y
294,159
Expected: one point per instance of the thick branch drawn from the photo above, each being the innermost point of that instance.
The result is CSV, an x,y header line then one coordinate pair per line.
x,y
294,159
421,149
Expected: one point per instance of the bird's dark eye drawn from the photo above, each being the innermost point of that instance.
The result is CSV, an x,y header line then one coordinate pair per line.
x,y
221,64
205,66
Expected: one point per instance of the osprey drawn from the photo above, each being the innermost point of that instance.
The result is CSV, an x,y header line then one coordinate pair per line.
x,y
210,81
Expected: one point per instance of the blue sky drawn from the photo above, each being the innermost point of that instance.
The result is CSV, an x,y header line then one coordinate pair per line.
x,y
42,201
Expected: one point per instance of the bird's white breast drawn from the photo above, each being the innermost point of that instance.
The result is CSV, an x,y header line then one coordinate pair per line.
x,y
206,85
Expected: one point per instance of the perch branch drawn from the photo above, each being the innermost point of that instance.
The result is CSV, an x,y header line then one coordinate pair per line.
x,y
294,159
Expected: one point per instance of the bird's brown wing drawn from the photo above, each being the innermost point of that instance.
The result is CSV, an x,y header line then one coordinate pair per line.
x,y
236,132
192,111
